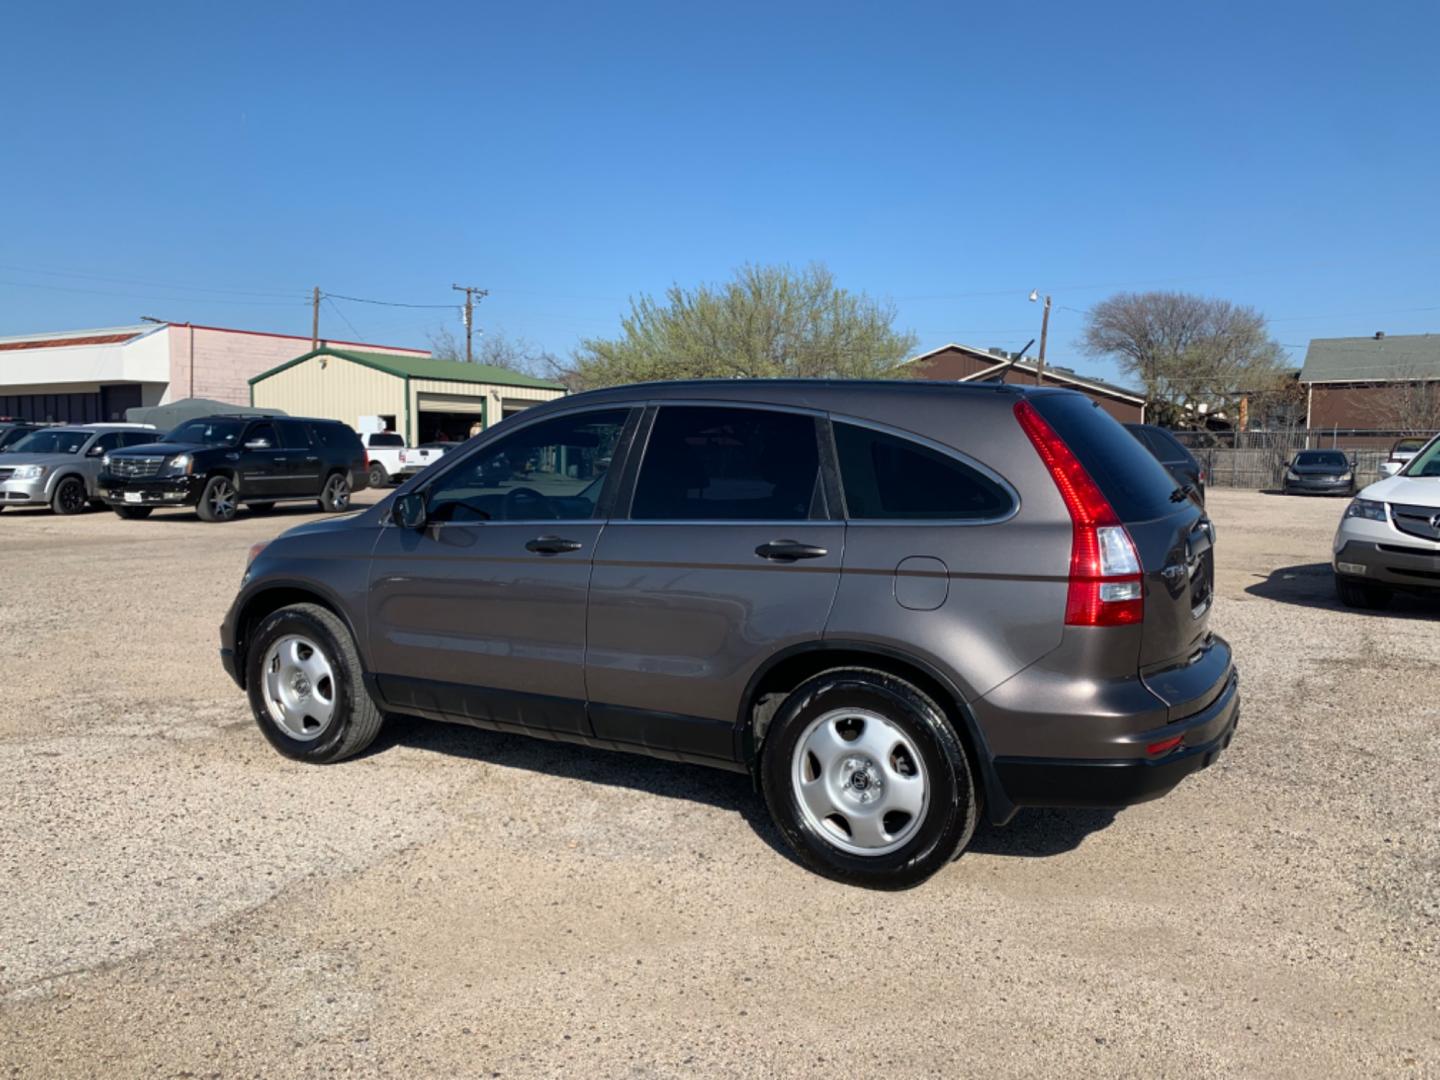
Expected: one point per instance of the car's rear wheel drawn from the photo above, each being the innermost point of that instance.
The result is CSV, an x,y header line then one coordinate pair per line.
x,y
336,495
1360,594
219,501
69,497
133,513
378,476
306,686
867,779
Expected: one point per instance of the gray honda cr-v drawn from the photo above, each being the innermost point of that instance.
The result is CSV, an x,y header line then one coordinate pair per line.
x,y
893,604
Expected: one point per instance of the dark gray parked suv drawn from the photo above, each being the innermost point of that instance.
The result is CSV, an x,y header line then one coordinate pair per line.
x,y
893,604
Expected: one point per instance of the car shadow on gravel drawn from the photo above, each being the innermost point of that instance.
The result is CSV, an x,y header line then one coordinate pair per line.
x,y
1312,585
1030,834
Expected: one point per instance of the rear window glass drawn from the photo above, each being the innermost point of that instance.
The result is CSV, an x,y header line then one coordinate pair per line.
x,y
1167,447
890,477
388,438
1322,457
1137,485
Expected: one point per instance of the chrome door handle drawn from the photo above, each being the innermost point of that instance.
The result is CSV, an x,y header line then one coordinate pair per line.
x,y
552,545
789,551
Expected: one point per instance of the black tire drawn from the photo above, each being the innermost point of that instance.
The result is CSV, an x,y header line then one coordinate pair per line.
x,y
356,720
378,476
335,496
1360,594
219,501
948,820
70,496
133,513
260,507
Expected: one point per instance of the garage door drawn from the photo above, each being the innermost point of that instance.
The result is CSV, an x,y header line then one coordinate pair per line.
x,y
446,417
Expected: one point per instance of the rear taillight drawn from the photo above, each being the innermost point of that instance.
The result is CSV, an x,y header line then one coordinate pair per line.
x,y
1106,583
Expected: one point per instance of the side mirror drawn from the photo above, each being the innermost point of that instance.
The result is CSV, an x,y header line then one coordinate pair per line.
x,y
95,451
258,444
409,510
1389,468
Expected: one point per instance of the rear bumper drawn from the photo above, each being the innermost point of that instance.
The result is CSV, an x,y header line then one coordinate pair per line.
x,y
1034,781
152,491
1398,564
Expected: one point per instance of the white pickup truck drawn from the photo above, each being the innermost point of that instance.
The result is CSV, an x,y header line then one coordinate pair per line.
x,y
386,451
413,460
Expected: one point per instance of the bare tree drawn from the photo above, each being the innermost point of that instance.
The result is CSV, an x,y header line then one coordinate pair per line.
x,y
495,349
1195,356
1410,403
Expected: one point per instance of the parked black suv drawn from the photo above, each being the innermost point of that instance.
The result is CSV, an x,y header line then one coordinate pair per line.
x,y
897,605
216,463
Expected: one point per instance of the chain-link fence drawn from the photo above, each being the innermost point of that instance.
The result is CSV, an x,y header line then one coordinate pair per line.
x,y
1257,459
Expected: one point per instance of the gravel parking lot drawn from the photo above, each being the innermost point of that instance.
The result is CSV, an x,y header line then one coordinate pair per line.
x,y
181,901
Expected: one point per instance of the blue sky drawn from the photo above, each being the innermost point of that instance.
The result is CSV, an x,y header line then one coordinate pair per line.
x,y
213,162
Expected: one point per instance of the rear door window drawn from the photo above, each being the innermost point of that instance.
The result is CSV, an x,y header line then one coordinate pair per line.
x,y
294,435
138,438
1136,484
728,464
888,477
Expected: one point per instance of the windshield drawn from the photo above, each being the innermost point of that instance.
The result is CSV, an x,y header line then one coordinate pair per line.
x,y
53,441
207,432
1333,458
1425,463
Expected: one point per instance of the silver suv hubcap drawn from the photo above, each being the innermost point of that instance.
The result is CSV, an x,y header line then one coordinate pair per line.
x,y
860,781
299,687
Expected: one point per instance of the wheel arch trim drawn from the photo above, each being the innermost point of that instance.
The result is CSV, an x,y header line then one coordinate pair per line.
x,y
301,591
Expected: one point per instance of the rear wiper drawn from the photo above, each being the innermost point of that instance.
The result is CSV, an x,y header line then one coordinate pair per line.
x,y
1183,492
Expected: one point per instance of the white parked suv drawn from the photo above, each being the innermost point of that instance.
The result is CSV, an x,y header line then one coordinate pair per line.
x,y
1389,538
386,452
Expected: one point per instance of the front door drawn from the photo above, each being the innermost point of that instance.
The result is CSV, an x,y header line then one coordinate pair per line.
x,y
480,614
263,465
299,461
727,557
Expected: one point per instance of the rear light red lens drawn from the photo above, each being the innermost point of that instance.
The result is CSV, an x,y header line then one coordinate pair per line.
x,y
1164,746
1106,584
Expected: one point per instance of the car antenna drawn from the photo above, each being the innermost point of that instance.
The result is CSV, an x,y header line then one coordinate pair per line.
x,y
999,376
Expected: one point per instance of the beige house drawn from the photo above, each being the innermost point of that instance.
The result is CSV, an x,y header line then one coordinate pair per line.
x,y
424,399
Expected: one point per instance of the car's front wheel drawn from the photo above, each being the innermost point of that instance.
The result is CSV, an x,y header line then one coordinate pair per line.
x,y
1361,594
306,686
867,779
69,497
219,501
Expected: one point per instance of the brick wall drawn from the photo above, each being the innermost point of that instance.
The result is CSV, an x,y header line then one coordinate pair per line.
x,y
226,360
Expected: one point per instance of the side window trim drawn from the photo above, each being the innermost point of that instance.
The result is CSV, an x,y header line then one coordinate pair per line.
x,y
625,503
940,448
460,461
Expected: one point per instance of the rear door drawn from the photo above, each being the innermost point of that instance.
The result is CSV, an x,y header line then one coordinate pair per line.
x,y
726,557
1173,537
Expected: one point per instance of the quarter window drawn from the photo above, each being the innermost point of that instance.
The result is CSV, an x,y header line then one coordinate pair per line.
x,y
551,471
727,464
887,477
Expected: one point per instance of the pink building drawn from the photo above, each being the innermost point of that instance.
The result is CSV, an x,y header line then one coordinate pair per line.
x,y
81,376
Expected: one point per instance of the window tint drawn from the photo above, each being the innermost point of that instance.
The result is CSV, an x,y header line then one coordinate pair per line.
x,y
294,435
109,441
385,438
1167,447
207,432
264,431
889,477
1322,457
139,438
728,464
551,471
1137,485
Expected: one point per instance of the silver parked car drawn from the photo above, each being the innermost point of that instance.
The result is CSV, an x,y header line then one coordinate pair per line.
x,y
895,605
58,466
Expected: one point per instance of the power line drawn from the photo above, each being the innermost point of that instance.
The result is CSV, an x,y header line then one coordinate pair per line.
x,y
383,303
336,308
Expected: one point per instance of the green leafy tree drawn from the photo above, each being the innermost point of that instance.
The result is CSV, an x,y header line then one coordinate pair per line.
x,y
1194,356
769,321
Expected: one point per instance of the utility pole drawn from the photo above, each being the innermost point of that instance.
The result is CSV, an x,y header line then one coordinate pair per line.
x,y
470,291
315,320
1044,332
